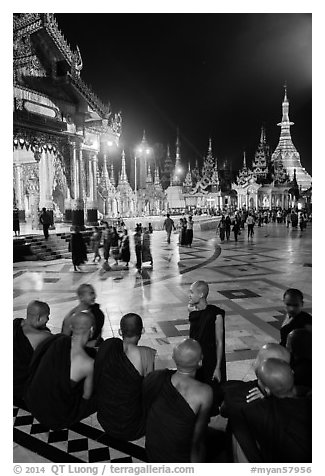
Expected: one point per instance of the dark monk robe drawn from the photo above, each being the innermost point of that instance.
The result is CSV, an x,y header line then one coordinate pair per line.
x,y
51,396
22,353
170,420
202,329
275,430
302,321
119,390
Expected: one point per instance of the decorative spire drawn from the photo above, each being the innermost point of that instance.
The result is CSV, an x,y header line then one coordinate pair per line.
x,y
285,123
112,177
105,170
149,176
210,146
168,151
123,176
144,136
244,161
157,178
178,146
263,137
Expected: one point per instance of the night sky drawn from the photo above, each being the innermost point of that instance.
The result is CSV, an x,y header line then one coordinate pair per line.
x,y
218,75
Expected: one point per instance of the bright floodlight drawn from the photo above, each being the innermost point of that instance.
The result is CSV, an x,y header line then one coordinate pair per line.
x,y
109,143
179,170
139,150
147,151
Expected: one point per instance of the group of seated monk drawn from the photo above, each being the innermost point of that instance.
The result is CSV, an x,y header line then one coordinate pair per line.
x,y
62,378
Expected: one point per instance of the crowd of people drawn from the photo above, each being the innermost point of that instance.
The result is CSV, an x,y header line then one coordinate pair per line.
x,y
115,243
236,221
62,378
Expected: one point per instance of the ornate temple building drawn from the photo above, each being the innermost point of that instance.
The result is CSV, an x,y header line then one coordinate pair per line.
x,y
61,129
275,181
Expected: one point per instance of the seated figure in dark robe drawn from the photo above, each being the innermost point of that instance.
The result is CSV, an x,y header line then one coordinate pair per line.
x,y
178,409
276,429
120,366
207,326
299,344
87,297
295,318
59,388
28,334
238,393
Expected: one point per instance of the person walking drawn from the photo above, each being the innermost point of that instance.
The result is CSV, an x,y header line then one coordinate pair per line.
x,y
45,220
189,237
236,228
138,247
228,227
78,249
107,234
168,226
115,245
16,227
250,226
184,232
222,228
125,248
95,243
146,251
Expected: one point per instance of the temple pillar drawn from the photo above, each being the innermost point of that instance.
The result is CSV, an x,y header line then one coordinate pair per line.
x,y
78,218
270,200
92,207
68,207
45,184
19,192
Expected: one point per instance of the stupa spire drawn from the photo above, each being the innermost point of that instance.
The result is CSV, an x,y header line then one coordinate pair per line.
x,y
123,176
112,177
244,161
149,176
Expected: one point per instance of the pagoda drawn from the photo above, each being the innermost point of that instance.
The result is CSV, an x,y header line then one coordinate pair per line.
x,y
262,159
168,170
178,166
286,153
125,194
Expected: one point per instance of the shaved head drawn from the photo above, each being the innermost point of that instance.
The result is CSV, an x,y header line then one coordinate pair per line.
x,y
37,313
131,325
82,322
271,350
277,376
299,344
201,287
187,355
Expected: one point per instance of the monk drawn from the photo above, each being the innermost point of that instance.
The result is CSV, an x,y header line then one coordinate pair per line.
x,y
295,317
238,393
60,384
178,409
87,297
299,344
276,429
28,334
207,326
120,367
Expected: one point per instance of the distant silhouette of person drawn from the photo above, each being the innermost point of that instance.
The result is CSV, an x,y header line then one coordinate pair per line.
x,y
169,226
45,220
78,249
16,226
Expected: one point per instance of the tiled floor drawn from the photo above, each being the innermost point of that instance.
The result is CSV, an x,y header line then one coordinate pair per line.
x,y
247,279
